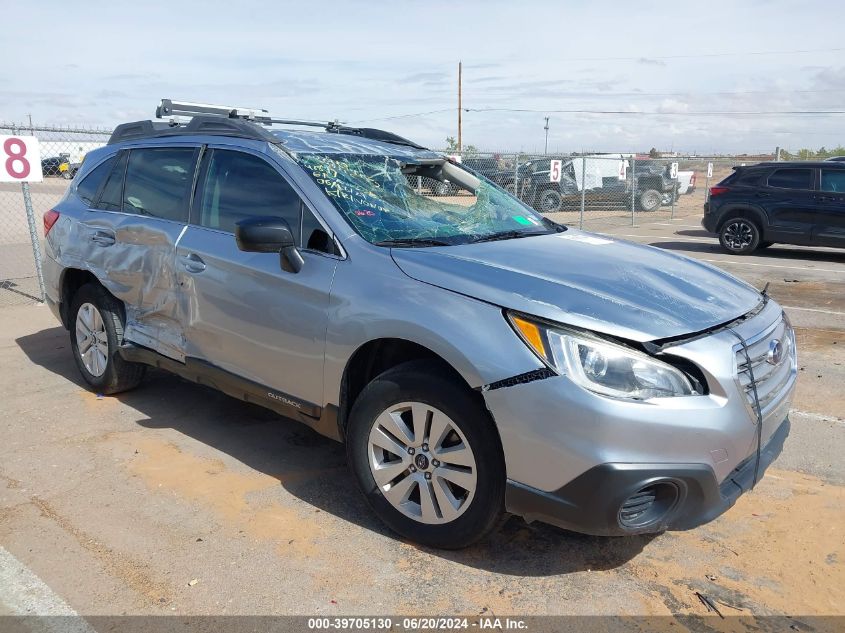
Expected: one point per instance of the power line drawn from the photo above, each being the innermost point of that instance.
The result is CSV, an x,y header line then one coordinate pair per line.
x,y
406,116
641,113
615,112
646,58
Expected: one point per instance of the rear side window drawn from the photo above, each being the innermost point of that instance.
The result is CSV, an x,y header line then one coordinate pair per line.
x,y
239,186
158,182
743,177
791,178
833,180
90,185
113,191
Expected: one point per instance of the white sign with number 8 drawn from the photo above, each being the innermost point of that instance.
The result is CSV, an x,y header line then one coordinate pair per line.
x,y
554,170
20,159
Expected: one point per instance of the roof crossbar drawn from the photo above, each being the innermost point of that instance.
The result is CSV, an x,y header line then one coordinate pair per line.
x,y
169,108
224,120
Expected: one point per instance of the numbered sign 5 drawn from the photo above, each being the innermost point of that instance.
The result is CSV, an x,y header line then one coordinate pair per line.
x,y
554,170
20,159
709,170
673,170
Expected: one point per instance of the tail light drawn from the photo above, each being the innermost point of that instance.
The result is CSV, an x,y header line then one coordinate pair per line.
x,y
716,191
50,219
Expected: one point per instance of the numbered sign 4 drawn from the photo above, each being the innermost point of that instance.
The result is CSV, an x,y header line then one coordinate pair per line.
x,y
20,159
554,170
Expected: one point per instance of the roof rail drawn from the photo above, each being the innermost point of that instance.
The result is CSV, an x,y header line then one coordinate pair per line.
x,y
205,125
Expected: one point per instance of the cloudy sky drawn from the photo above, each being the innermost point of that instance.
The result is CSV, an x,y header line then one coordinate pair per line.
x,y
662,69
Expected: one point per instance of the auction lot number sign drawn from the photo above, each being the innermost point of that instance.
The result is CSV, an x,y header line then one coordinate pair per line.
x,y
20,159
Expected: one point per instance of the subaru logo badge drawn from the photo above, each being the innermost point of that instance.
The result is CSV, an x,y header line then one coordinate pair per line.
x,y
775,354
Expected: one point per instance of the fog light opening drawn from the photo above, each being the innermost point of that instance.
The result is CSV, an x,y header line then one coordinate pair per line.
x,y
648,505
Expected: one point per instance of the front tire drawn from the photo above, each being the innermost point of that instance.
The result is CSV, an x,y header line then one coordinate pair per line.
x,y
739,236
96,332
427,456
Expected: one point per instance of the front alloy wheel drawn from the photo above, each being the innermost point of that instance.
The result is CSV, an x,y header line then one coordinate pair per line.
x,y
427,455
422,463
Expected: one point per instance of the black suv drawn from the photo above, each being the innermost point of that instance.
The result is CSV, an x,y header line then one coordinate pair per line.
x,y
788,202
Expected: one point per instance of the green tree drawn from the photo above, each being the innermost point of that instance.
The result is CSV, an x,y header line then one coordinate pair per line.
x,y
653,153
452,148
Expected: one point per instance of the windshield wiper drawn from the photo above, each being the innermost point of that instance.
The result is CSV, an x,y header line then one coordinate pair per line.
x,y
412,241
505,235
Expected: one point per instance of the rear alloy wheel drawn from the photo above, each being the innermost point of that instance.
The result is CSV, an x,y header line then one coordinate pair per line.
x,y
96,332
550,201
739,236
427,456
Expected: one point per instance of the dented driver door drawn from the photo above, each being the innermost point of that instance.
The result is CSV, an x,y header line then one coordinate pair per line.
x,y
242,313
130,234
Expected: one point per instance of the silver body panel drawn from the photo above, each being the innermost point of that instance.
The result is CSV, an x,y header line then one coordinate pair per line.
x,y
296,332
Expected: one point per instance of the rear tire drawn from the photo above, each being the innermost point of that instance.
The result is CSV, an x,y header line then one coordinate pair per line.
x,y
650,200
739,236
448,494
96,333
549,201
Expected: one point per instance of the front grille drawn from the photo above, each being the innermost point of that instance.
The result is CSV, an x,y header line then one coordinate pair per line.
x,y
772,380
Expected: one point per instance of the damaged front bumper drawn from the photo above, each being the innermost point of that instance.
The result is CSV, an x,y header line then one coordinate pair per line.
x,y
611,466
618,499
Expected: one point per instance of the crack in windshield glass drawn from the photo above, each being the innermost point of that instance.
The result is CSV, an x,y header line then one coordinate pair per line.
x,y
389,201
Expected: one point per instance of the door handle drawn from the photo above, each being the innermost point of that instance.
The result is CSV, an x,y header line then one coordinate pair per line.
x,y
103,238
761,194
193,263
824,198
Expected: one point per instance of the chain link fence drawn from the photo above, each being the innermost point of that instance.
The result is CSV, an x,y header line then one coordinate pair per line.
x,y
591,191
601,191
21,231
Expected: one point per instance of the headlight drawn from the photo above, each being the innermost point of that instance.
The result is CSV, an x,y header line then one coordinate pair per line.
x,y
600,366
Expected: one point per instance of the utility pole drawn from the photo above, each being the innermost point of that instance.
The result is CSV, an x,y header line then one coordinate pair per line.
x,y
546,127
460,142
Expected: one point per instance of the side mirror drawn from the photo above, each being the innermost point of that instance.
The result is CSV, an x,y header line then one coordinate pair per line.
x,y
269,235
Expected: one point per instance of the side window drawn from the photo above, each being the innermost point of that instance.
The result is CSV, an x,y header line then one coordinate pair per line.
x,y
90,185
833,180
113,191
158,182
239,186
791,178
314,236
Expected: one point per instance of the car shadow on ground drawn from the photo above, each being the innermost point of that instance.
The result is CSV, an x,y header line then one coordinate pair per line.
x,y
776,251
313,468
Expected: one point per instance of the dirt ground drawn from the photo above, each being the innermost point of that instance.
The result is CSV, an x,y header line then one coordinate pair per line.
x,y
176,499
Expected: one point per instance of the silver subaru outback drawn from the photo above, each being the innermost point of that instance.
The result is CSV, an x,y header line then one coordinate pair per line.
x,y
474,356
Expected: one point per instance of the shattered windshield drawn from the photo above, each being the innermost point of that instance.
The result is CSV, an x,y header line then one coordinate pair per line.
x,y
392,201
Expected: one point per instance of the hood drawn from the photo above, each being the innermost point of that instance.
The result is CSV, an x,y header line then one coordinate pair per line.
x,y
616,287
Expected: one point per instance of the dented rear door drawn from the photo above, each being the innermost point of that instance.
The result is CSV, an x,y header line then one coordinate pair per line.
x,y
129,236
